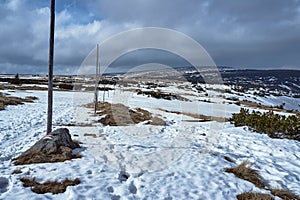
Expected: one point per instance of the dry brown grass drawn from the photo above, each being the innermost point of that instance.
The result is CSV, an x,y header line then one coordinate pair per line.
x,y
64,153
17,171
162,95
244,171
11,100
2,105
90,135
203,118
157,121
284,194
254,196
256,105
77,142
49,186
121,115
12,87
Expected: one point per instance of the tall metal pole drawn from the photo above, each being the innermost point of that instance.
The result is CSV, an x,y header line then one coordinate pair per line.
x,y
50,69
97,80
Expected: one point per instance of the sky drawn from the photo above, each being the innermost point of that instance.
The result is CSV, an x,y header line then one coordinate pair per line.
x,y
256,34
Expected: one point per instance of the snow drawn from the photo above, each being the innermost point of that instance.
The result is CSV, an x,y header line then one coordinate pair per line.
x,y
184,160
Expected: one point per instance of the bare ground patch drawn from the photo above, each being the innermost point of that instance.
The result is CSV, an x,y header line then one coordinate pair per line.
x,y
162,95
284,194
257,105
254,196
244,171
121,115
62,154
49,186
54,147
6,100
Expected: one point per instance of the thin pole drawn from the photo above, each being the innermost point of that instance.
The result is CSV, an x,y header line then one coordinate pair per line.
x,y
50,68
97,80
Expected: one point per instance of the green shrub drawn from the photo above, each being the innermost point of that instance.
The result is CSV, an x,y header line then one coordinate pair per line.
x,y
274,125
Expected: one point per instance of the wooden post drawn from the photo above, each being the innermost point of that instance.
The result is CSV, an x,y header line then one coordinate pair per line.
x,y
97,80
50,68
103,93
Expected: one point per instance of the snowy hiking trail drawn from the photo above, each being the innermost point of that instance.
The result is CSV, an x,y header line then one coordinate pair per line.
x,y
184,160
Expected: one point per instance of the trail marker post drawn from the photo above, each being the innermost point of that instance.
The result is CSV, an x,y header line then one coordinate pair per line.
x,y
50,70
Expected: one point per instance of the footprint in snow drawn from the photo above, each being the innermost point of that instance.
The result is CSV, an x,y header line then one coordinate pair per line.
x,y
4,185
132,189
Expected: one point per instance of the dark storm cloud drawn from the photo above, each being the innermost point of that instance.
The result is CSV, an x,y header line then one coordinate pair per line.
x,y
250,34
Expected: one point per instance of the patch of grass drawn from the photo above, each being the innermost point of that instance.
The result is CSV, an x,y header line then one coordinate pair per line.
x,y
31,98
257,105
90,135
161,95
254,196
49,186
11,100
121,115
64,153
77,142
244,171
157,121
17,171
285,194
12,87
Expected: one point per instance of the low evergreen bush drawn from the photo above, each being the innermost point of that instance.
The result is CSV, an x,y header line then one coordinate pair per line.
x,y
275,125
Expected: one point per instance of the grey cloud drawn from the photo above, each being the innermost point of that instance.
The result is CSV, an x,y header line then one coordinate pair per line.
x,y
236,33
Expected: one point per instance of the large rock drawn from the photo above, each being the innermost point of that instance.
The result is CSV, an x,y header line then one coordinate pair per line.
x,y
55,147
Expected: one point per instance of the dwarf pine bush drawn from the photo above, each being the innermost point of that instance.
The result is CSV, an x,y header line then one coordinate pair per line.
x,y
274,125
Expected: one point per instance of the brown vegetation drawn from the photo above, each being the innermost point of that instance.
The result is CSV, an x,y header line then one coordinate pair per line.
x,y
90,135
284,194
156,121
254,196
54,147
161,95
244,171
257,105
11,100
13,87
49,186
17,171
121,115
64,153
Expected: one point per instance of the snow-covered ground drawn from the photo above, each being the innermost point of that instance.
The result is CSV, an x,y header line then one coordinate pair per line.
x,y
182,160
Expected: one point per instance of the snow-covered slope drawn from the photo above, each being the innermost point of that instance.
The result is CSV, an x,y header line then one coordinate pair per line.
x,y
183,160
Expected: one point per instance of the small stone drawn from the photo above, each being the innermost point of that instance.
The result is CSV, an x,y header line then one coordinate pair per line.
x,y
132,188
110,189
123,176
